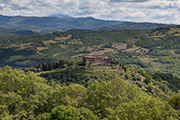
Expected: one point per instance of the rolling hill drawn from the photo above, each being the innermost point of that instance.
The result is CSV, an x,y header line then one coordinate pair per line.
x,y
156,50
9,32
134,26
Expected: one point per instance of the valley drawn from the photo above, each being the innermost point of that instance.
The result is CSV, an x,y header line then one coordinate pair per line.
x,y
142,76
154,50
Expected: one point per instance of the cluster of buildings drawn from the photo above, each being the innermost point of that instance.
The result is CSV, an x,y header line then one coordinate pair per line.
x,y
98,60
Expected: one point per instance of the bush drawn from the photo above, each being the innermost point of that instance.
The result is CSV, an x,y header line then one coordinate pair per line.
x,y
68,113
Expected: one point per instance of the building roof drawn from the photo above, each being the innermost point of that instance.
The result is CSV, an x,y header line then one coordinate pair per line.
x,y
96,57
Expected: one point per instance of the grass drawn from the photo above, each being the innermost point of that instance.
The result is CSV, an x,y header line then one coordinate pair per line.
x,y
40,48
101,52
177,34
63,46
63,38
131,49
143,59
49,41
52,71
79,55
119,46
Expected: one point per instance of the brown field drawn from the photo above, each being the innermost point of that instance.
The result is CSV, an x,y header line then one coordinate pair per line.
x,y
49,41
63,46
119,46
131,41
142,50
101,52
131,49
173,30
56,54
157,36
38,52
40,48
63,38
99,47
90,48
21,45
81,49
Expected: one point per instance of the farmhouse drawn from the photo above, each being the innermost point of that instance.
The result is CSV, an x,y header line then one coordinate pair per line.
x,y
96,60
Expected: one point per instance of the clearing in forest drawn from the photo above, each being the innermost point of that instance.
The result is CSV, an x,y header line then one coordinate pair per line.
x,y
119,46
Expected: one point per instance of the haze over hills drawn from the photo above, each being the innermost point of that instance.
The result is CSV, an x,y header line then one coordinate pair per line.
x,y
51,24
64,23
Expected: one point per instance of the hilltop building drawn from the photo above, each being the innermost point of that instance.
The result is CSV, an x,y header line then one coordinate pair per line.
x,y
96,60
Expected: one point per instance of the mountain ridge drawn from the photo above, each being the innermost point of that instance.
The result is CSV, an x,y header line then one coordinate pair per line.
x,y
49,24
37,24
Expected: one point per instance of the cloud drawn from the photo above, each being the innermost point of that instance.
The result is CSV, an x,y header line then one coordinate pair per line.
x,y
161,11
129,0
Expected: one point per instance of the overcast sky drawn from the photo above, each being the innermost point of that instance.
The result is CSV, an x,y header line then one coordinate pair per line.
x,y
161,11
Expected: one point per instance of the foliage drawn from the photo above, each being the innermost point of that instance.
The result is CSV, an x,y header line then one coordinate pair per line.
x,y
68,113
174,101
154,50
27,96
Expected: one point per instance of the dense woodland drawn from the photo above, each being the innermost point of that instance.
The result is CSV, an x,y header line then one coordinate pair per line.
x,y
27,96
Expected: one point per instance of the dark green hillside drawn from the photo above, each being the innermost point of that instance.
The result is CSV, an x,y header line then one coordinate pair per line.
x,y
7,32
155,50
65,72
134,26
24,51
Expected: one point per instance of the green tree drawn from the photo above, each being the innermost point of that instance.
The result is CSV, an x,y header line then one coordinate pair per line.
x,y
68,113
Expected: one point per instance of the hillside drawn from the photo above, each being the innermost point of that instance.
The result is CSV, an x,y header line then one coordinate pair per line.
x,y
73,73
134,26
103,92
155,50
8,32
51,24
65,23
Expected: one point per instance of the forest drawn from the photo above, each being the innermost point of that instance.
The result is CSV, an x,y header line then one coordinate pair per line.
x,y
24,95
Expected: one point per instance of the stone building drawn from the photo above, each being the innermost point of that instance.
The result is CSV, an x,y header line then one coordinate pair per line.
x,y
96,60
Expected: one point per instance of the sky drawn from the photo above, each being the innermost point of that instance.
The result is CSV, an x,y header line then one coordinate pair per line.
x,y
156,11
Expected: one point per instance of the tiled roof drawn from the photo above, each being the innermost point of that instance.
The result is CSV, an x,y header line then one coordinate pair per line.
x,y
96,57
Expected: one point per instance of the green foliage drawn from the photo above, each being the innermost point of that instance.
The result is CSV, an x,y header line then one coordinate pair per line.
x,y
104,96
68,113
144,108
27,96
154,50
21,94
177,51
174,101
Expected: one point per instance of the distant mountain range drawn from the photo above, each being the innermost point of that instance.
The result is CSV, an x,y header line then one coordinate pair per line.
x,y
51,24
33,25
